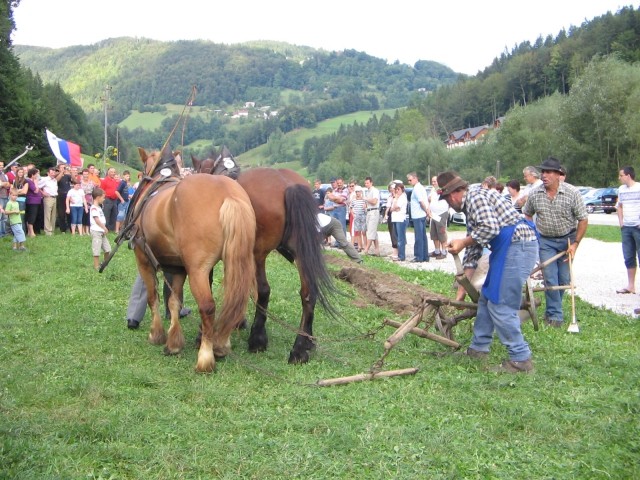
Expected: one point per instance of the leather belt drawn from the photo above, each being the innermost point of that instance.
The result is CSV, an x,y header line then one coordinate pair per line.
x,y
560,236
371,209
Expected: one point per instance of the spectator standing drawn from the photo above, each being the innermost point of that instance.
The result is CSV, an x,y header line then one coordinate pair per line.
x,y
12,209
76,205
93,175
340,196
5,185
561,219
372,199
387,219
110,207
419,206
87,186
493,221
65,181
50,198
12,173
33,201
124,191
513,186
628,208
532,180
399,219
21,187
439,213
318,194
358,208
99,229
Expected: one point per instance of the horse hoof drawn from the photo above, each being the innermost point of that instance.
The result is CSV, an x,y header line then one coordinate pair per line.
x,y
298,357
169,352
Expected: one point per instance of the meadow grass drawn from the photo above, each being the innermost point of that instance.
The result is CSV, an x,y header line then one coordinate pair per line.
x,y
83,397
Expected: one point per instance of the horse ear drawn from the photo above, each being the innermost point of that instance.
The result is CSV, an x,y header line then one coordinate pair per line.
x,y
166,153
195,162
178,157
143,154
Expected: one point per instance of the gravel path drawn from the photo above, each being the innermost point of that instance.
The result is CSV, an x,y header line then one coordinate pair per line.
x,y
598,269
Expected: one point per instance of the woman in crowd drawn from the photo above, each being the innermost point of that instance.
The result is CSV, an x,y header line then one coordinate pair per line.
x,y
34,200
399,219
514,193
387,220
21,186
87,185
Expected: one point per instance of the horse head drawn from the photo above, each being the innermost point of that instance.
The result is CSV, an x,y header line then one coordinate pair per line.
x,y
165,162
224,164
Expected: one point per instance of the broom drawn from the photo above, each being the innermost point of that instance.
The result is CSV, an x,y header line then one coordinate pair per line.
x,y
573,327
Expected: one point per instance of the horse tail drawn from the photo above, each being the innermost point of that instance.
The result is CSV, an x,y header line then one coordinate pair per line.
x,y
302,233
237,219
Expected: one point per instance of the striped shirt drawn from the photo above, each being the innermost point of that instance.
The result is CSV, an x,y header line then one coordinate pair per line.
x,y
558,216
487,213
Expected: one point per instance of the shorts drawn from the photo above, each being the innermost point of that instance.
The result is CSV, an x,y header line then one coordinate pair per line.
x,y
438,230
122,211
99,242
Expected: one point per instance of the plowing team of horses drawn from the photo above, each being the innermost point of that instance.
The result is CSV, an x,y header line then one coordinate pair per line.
x,y
186,226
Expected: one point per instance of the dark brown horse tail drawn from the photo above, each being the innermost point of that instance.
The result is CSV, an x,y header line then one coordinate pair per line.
x,y
301,232
239,283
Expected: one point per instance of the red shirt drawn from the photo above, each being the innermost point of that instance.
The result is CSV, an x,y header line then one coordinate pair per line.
x,y
109,185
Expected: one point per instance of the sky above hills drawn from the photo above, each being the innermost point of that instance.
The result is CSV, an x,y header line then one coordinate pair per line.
x,y
465,35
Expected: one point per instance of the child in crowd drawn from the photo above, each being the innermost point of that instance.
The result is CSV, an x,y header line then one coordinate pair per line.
x,y
98,228
359,211
76,205
12,210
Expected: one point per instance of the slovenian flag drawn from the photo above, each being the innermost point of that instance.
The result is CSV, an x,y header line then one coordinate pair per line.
x,y
64,151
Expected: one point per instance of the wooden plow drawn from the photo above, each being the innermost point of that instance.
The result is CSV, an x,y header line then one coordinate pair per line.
x,y
435,311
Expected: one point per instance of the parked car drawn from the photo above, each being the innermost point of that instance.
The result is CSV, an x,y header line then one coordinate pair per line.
x,y
457,218
609,200
592,199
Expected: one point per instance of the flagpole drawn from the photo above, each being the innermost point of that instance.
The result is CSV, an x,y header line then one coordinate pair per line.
x,y
105,100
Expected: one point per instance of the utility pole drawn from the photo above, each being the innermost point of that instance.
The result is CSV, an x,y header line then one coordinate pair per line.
x,y
105,101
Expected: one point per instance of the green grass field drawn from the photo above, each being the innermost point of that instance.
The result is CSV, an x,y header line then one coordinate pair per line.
x,y
83,397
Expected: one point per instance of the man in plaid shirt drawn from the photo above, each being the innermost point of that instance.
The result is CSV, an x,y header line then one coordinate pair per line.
x,y
561,218
493,222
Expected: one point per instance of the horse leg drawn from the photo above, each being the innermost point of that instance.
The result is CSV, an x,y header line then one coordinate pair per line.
x,y
258,339
304,340
157,334
201,291
175,340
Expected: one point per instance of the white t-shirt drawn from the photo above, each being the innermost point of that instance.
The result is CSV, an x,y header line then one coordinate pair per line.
x,y
438,207
629,198
400,215
96,211
76,197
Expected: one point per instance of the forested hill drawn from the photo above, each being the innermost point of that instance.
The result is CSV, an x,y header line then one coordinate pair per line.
x,y
148,72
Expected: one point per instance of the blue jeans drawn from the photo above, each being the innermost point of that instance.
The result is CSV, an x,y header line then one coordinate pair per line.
x,y
556,273
630,246
503,316
420,247
401,234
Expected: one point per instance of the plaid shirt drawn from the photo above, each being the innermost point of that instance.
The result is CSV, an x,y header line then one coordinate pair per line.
x,y
487,213
559,216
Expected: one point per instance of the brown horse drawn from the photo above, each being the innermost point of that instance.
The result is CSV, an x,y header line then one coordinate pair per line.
x,y
184,227
286,221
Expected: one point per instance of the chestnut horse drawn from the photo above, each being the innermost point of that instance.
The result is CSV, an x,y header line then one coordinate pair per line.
x,y
286,221
184,227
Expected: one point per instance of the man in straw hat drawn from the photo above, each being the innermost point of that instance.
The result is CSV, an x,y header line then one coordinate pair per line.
x,y
561,219
492,221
